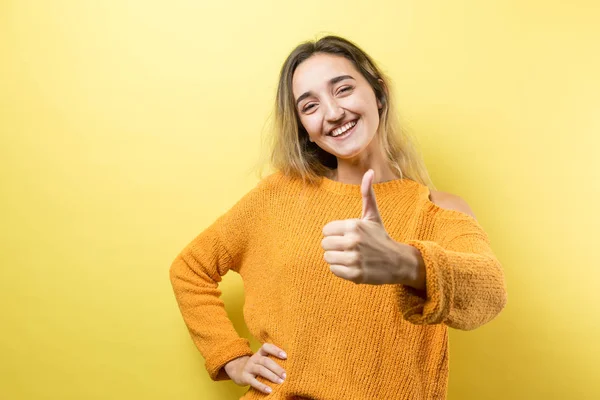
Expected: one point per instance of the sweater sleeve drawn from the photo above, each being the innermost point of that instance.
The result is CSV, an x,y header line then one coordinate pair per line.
x,y
195,274
464,281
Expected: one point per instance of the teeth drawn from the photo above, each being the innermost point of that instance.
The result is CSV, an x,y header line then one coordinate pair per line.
x,y
343,129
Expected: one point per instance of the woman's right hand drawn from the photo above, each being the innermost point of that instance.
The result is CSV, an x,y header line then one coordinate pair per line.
x,y
243,370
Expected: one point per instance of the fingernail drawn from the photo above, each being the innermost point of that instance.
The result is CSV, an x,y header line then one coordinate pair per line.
x,y
283,375
268,390
282,354
279,380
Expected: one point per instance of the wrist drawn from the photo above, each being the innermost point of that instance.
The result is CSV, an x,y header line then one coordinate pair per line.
x,y
410,266
417,269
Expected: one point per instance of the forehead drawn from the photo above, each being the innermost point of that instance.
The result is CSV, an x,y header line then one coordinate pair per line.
x,y
317,70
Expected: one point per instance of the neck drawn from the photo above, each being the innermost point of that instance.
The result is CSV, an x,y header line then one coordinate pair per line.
x,y
355,176
352,173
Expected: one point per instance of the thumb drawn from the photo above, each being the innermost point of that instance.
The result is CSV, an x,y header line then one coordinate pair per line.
x,y
370,211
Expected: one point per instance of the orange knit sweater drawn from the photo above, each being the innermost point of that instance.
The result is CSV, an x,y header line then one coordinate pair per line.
x,y
343,340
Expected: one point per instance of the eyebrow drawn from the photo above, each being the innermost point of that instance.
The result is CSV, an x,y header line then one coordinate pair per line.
x,y
332,81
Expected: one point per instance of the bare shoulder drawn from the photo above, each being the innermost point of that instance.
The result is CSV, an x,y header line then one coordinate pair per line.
x,y
451,202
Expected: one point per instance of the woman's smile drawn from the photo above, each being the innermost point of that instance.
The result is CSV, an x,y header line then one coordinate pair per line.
x,y
346,133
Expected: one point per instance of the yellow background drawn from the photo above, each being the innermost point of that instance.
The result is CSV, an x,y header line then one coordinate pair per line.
x,y
128,126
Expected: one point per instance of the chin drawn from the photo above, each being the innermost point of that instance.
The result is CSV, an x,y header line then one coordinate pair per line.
x,y
347,155
349,151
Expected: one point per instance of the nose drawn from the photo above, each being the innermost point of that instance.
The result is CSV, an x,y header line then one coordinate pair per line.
x,y
333,111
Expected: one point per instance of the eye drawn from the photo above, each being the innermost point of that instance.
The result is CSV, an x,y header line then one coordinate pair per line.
x,y
345,89
308,107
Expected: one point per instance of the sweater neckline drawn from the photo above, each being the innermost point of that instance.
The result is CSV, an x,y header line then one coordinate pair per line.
x,y
351,189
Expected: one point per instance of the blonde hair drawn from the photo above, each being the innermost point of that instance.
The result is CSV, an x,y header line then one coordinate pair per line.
x,y
294,155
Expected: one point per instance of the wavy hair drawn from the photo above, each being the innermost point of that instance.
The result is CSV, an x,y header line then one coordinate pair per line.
x,y
294,155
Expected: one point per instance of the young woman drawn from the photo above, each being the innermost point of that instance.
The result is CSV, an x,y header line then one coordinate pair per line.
x,y
353,268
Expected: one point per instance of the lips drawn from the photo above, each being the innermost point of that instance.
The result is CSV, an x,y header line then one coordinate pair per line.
x,y
345,134
342,124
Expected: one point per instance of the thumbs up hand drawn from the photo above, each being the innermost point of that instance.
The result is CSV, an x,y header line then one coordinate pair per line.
x,y
360,250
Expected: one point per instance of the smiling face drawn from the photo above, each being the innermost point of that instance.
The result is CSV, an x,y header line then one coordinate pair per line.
x,y
331,93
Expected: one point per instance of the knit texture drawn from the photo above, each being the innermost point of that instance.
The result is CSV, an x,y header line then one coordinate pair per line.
x,y
343,340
